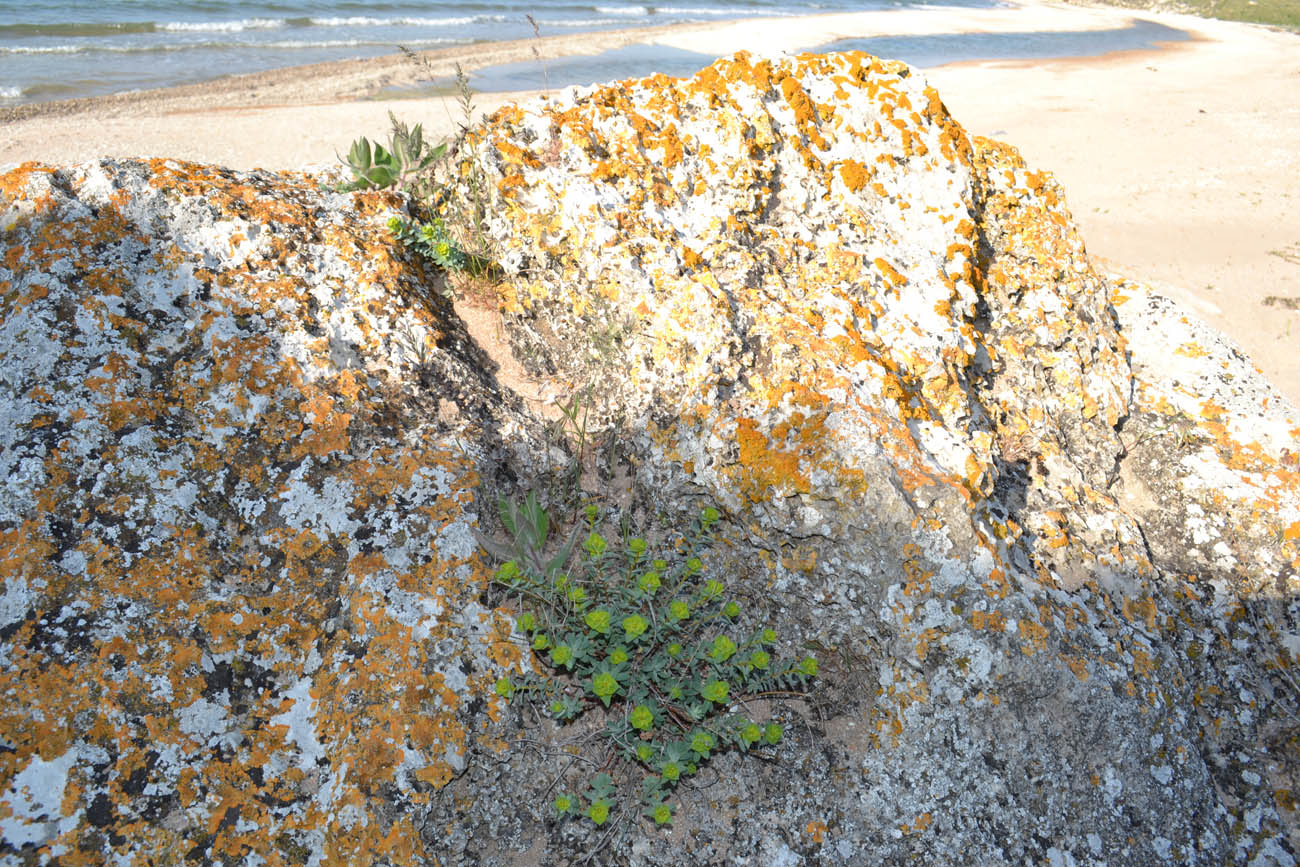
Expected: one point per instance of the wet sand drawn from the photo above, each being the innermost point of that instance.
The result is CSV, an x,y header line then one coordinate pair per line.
x,y
1180,164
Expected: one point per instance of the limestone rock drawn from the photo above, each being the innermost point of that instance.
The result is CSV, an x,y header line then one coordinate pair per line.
x,y
240,608
1040,527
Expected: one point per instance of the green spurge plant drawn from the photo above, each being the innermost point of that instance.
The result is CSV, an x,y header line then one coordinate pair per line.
x,y
430,240
656,647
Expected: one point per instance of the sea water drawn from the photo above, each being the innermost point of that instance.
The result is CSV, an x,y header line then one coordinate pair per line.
x,y
61,49
922,51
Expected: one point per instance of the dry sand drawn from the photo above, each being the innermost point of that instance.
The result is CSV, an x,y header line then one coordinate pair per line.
x,y
1181,165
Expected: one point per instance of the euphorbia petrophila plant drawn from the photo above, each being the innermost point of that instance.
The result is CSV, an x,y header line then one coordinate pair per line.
x,y
655,646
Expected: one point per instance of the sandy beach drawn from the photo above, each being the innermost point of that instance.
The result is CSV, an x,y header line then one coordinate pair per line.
x,y
1180,164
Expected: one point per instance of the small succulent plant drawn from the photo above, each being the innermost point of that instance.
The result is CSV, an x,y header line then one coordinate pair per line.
x,y
430,240
653,645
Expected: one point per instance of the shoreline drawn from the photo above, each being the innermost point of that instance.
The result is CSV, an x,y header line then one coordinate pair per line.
x,y
360,78
1178,162
332,81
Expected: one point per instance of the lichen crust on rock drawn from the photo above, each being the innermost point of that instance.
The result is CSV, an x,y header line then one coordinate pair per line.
x,y
225,549
1041,528
880,343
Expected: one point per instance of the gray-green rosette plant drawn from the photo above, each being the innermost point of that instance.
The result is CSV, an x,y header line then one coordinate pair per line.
x,y
401,164
653,644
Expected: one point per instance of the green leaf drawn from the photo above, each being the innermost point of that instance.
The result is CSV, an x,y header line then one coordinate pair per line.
x,y
604,685
649,583
598,620
359,156
641,718
772,734
760,659
505,688
581,644
702,742
634,626
678,610
537,516
565,708
598,812
381,176
508,513
715,691
602,787
732,609
808,666
564,804
397,146
566,550
562,655
595,544
723,649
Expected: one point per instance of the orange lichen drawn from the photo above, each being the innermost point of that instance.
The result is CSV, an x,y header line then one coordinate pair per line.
x,y
892,274
1077,665
992,620
1033,636
766,467
15,182
250,417
854,174
918,824
805,112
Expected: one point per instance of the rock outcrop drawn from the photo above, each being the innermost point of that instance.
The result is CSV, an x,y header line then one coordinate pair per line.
x,y
1040,526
